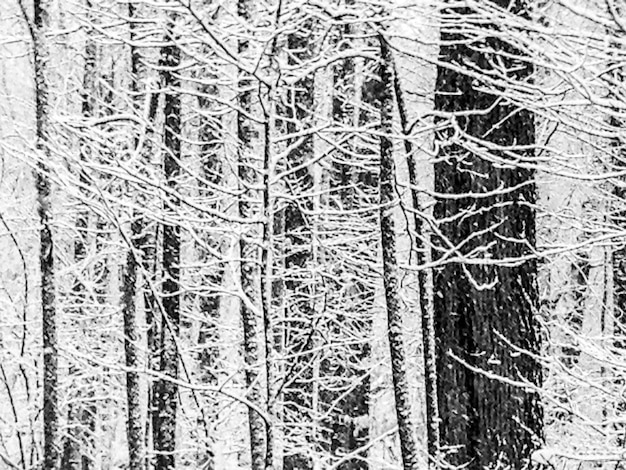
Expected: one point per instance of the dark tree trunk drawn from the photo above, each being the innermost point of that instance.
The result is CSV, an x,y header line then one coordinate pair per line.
x,y
618,210
486,215
134,427
249,269
424,279
145,236
298,288
141,262
166,396
618,213
46,250
391,271
213,271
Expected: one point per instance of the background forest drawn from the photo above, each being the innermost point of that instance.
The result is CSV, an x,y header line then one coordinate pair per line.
x,y
312,234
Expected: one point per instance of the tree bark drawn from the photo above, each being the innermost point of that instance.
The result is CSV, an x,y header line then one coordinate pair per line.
x,y
134,427
485,287
267,270
249,268
391,273
299,312
209,334
424,278
614,318
46,250
166,390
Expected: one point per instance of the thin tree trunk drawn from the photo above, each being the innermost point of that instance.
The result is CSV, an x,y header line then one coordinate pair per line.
x,y
391,273
617,311
267,269
209,334
167,391
146,234
249,276
134,426
485,211
299,313
141,258
249,269
249,279
423,279
46,251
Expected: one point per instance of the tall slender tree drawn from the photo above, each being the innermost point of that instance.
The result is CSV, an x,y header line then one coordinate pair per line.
x,y
142,257
391,272
250,259
134,427
43,129
299,316
485,287
166,395
618,206
424,278
617,122
212,168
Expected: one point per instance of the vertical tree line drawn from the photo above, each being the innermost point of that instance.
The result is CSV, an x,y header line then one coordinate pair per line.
x,y
166,391
43,131
486,285
391,274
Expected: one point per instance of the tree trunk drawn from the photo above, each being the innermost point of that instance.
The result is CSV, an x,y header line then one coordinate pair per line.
x,y
209,334
299,314
424,278
267,270
485,286
391,273
141,259
166,390
134,428
250,259
617,312
46,250
145,235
